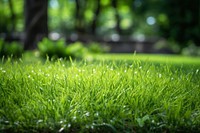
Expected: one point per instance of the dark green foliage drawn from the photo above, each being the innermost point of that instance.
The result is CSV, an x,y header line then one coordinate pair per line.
x,y
58,49
11,16
97,48
4,23
175,20
76,50
191,50
14,49
51,48
183,21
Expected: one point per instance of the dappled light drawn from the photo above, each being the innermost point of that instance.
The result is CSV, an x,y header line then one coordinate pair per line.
x,y
150,20
115,20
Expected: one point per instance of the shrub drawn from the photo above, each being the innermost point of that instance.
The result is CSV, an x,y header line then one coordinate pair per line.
x,y
51,48
76,50
191,50
14,49
1,45
58,49
97,48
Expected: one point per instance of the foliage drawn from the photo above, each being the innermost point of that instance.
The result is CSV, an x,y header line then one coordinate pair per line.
x,y
97,48
14,49
6,23
170,19
191,50
51,48
182,24
57,49
166,46
76,50
101,96
174,20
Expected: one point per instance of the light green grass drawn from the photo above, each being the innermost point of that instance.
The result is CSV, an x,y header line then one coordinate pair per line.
x,y
159,58
98,96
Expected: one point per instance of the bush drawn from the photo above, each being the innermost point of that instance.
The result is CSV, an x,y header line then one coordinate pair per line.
x,y
51,48
191,50
97,48
166,46
58,49
76,50
1,45
14,49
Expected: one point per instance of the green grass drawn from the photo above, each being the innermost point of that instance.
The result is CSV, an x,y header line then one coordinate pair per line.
x,y
121,93
159,58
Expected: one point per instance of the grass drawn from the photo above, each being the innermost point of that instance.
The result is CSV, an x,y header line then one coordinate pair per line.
x,y
155,58
109,95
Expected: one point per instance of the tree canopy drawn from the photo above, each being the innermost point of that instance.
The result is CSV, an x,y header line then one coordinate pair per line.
x,y
174,20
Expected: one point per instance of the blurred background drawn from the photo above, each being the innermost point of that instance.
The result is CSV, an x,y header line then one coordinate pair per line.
x,y
125,26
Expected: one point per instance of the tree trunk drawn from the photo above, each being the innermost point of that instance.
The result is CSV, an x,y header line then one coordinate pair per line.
x,y
79,16
35,22
13,16
95,19
117,17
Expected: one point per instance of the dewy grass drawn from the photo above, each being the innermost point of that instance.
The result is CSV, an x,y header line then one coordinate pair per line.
x,y
156,58
100,96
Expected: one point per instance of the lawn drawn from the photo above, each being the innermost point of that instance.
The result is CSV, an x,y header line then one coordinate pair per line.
x,y
102,93
155,58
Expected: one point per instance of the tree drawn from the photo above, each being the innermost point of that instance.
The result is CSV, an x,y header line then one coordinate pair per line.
x,y
96,15
79,16
36,26
184,21
117,17
13,16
